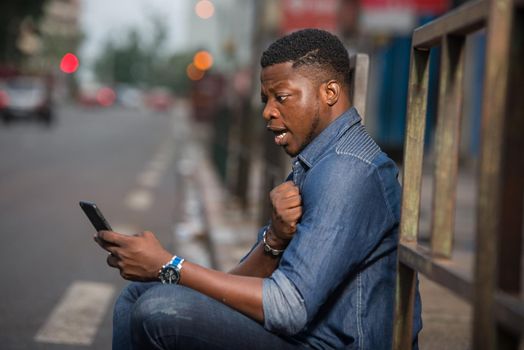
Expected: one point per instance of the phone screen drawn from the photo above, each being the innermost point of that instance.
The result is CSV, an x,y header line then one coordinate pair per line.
x,y
95,216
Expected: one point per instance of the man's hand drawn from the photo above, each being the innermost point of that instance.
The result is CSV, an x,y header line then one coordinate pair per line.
x,y
138,257
287,210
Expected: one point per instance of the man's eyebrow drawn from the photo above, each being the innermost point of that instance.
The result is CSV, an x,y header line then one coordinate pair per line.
x,y
277,85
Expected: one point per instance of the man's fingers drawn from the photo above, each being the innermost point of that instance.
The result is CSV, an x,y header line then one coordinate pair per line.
x,y
293,201
293,214
285,204
105,245
284,190
112,260
287,195
112,237
289,216
288,192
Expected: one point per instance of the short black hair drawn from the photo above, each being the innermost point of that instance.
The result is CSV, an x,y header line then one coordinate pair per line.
x,y
310,47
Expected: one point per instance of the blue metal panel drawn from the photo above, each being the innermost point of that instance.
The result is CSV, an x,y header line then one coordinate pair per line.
x,y
392,93
479,47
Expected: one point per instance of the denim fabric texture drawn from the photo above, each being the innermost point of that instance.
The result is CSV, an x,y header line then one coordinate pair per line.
x,y
335,285
160,316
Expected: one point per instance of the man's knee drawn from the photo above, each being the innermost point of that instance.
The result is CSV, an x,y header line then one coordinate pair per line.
x,y
128,297
161,312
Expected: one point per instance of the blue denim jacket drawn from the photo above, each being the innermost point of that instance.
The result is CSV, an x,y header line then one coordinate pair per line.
x,y
335,284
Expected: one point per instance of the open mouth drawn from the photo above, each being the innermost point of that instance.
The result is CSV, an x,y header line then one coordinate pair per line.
x,y
280,137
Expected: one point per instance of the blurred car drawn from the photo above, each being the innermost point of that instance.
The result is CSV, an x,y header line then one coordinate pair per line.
x,y
130,97
26,97
87,97
106,96
96,96
159,99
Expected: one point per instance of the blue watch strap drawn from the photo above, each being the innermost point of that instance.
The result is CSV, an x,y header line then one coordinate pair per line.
x,y
176,261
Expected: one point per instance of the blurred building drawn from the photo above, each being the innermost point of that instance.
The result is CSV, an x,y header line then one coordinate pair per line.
x,y
56,33
60,26
45,41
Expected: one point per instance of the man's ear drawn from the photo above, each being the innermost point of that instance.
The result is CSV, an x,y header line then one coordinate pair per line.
x,y
331,92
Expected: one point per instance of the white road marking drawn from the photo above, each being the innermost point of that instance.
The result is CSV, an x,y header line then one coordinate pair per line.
x,y
76,318
139,199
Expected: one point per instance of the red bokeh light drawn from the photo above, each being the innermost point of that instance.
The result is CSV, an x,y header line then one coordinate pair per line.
x,y
69,63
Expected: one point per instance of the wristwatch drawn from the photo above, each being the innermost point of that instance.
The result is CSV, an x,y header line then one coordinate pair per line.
x,y
268,249
170,272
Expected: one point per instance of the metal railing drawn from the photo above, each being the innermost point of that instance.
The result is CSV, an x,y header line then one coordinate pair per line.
x,y
495,288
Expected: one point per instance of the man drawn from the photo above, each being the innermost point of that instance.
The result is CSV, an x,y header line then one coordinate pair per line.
x,y
322,274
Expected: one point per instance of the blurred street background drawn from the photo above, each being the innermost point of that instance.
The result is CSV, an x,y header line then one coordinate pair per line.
x,y
151,109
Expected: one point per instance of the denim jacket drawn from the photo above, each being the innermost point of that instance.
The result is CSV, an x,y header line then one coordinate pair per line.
x,y
334,287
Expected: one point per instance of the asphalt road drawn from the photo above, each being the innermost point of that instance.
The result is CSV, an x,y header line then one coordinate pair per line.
x,y
56,290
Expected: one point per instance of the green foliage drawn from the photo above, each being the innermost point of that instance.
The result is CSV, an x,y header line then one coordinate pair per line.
x,y
139,63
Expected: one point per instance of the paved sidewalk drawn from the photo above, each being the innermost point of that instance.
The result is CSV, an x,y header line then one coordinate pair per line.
x,y
210,228
228,233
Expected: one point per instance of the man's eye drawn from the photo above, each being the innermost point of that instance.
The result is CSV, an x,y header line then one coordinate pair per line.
x,y
281,98
263,99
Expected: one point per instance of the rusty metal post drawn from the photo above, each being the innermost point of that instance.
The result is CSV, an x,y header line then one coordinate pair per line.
x,y
412,182
414,144
447,142
491,172
404,305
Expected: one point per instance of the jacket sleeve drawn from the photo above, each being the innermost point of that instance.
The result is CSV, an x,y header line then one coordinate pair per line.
x,y
284,309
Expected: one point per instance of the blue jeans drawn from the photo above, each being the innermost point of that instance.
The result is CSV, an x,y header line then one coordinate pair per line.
x,y
157,316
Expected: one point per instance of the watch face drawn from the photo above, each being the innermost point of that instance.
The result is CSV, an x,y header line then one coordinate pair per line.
x,y
170,275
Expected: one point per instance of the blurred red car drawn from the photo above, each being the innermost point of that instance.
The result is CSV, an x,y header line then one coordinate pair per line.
x,y
94,96
159,99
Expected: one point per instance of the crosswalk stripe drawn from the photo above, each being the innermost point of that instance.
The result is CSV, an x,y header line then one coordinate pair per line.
x,y
76,318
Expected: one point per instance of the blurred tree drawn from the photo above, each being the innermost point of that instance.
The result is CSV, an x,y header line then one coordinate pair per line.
x,y
141,62
12,14
125,63
172,72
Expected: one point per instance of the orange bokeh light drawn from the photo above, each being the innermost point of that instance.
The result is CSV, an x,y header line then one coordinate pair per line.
x,y
194,73
203,60
204,9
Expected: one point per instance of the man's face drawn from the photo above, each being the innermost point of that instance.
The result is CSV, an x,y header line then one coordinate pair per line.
x,y
291,106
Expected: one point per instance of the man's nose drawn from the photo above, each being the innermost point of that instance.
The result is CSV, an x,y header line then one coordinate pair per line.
x,y
269,112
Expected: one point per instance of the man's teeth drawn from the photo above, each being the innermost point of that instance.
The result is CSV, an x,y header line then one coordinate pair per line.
x,y
281,136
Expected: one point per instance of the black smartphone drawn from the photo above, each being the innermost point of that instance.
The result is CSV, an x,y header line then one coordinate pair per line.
x,y
95,216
